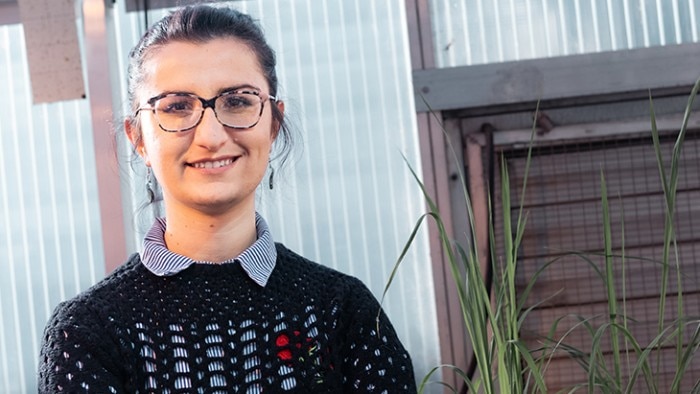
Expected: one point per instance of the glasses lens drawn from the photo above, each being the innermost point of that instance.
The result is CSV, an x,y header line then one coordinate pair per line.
x,y
178,112
240,110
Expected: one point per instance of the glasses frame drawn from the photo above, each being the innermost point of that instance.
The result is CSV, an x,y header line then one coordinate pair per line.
x,y
207,103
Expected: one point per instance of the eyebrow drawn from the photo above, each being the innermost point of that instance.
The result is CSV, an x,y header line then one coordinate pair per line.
x,y
243,86
238,87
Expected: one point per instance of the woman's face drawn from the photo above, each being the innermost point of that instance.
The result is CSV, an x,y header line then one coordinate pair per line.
x,y
210,168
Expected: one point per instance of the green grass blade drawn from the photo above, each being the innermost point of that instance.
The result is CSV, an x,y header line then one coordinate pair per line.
x,y
532,365
426,380
686,356
610,279
670,202
404,251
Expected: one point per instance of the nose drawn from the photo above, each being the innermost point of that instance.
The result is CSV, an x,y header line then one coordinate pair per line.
x,y
209,133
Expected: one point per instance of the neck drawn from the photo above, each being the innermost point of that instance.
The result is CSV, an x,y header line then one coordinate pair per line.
x,y
214,238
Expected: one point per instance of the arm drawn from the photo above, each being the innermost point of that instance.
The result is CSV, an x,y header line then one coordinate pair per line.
x,y
77,355
374,361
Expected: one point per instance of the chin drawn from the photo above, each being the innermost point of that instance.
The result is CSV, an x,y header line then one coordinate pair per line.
x,y
210,201
218,205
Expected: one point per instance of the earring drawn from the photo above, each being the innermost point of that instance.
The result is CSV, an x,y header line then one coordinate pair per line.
x,y
272,176
150,188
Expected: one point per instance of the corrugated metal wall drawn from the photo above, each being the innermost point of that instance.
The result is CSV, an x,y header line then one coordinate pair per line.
x,y
50,234
470,32
348,201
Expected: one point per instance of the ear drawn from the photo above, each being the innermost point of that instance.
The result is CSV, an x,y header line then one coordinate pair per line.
x,y
275,124
136,139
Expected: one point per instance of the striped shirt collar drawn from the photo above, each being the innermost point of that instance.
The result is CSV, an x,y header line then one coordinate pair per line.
x,y
257,261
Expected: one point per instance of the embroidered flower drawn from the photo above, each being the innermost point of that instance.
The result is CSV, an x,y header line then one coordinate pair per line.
x,y
285,344
282,342
308,350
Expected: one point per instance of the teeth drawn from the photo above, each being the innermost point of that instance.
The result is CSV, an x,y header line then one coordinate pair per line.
x,y
213,164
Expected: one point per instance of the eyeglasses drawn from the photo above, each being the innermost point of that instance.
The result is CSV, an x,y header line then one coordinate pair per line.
x,y
237,109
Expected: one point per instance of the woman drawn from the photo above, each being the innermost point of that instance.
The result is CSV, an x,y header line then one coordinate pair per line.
x,y
212,304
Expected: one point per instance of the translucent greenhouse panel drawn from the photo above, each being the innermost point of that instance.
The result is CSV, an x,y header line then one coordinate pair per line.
x,y
50,230
467,32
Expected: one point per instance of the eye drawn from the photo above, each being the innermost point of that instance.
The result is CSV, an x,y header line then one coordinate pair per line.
x,y
176,105
236,102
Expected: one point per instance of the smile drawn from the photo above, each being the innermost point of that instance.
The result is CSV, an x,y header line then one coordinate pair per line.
x,y
213,164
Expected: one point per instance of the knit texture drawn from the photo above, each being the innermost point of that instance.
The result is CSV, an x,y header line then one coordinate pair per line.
x,y
211,329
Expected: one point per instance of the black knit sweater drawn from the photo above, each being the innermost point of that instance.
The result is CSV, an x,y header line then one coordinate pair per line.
x,y
211,329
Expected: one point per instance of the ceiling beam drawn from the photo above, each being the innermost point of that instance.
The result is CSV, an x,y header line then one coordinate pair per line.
x,y
624,75
140,5
9,12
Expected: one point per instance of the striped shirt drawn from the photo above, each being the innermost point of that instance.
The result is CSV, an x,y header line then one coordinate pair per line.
x,y
257,261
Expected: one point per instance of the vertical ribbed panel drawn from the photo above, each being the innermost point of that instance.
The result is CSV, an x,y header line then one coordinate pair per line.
x,y
348,201
50,233
467,32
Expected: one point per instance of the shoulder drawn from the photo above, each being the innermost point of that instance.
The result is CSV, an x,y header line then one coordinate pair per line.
x,y
372,354
326,282
124,276
81,339
88,304
292,264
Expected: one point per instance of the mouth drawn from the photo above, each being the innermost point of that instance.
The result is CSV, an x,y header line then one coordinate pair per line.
x,y
213,163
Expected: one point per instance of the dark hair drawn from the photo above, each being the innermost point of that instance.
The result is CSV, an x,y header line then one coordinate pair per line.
x,y
199,24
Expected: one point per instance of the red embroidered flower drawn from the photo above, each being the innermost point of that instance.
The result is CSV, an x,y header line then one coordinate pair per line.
x,y
284,342
285,354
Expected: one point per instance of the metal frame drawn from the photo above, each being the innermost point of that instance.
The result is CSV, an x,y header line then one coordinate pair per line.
x,y
453,336
579,123
97,61
108,181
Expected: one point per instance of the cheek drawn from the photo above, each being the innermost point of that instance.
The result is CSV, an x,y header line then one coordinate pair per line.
x,y
149,148
265,145
258,144
155,149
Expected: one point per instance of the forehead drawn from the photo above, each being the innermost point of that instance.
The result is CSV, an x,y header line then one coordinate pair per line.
x,y
202,68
